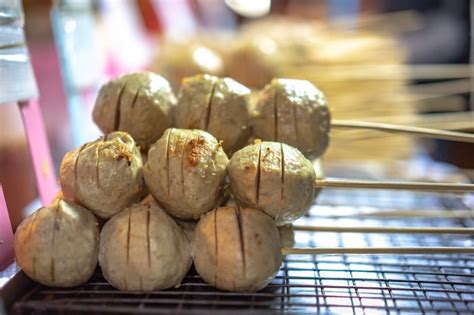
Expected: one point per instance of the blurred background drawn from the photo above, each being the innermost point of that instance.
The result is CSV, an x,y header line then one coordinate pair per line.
x,y
399,61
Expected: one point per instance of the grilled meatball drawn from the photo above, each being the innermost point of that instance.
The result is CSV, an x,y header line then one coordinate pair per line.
x,y
185,172
139,103
57,245
236,249
293,112
273,177
143,249
217,105
104,175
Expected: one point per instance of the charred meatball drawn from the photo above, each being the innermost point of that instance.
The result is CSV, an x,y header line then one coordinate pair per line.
x,y
104,175
273,177
293,112
185,172
139,103
143,249
217,105
236,249
57,245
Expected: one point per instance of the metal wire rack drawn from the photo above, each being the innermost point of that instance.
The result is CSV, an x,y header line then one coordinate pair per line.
x,y
357,284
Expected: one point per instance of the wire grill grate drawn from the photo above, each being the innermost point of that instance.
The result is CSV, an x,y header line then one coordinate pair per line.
x,y
357,284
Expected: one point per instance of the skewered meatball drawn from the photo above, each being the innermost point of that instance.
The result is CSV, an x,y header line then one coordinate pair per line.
x,y
293,112
236,249
104,175
143,249
217,105
58,244
138,103
273,177
185,172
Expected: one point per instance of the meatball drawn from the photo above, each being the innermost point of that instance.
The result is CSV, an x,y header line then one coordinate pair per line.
x,y
185,172
236,249
57,245
104,175
217,105
273,177
293,112
139,103
143,249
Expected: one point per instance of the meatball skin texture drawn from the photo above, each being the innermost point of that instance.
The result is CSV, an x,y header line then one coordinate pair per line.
x,y
273,177
188,227
216,105
104,175
293,112
143,249
139,103
57,245
236,249
185,172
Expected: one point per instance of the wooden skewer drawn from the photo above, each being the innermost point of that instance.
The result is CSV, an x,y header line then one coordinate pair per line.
x,y
422,186
385,229
418,250
443,88
448,121
425,132
440,214
396,22
381,72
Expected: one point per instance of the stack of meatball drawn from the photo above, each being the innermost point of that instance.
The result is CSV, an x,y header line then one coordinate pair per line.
x,y
146,199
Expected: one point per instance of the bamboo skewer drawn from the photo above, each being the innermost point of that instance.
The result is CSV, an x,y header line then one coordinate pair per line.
x,y
425,132
439,214
385,229
422,186
448,121
418,250
384,71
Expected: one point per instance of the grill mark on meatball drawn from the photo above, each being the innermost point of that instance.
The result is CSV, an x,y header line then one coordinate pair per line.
x,y
33,219
76,162
135,97
282,161
167,157
275,115
128,235
257,176
55,227
295,122
148,237
241,236
183,158
216,247
97,173
117,108
209,106
28,236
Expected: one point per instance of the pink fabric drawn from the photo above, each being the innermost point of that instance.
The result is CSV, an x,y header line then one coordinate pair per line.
x,y
6,234
39,150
